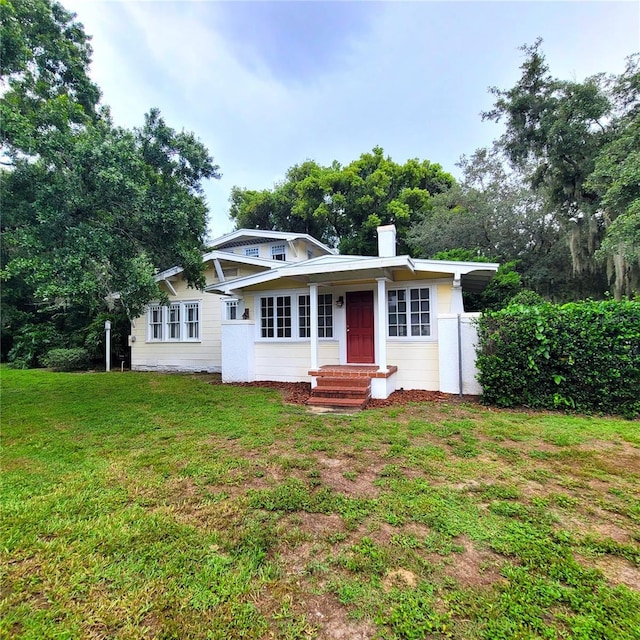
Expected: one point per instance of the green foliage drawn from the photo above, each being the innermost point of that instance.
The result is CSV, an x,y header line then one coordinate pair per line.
x,y
344,205
582,140
76,359
582,356
91,211
31,342
461,255
527,298
503,287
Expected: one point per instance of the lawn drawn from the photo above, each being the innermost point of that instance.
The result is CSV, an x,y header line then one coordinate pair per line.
x,y
160,506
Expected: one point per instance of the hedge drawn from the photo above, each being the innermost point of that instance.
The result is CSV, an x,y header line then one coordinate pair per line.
x,y
67,359
583,356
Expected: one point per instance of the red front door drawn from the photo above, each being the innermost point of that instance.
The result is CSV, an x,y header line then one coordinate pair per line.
x,y
360,339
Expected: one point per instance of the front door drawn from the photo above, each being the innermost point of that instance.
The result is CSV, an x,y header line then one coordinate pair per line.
x,y
360,338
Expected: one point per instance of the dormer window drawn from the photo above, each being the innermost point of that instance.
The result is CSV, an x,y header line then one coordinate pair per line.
x,y
252,252
278,252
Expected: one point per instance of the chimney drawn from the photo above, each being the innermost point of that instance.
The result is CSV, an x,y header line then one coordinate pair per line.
x,y
387,241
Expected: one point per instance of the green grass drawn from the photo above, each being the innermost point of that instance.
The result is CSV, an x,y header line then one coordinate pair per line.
x,y
161,506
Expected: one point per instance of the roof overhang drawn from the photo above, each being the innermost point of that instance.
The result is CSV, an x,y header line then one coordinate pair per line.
x,y
221,257
248,236
341,269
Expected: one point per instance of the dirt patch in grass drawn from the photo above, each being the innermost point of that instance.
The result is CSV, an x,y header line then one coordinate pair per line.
x,y
331,619
340,475
399,578
319,524
474,567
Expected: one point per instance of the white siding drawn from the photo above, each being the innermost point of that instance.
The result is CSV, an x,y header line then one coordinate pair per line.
x,y
283,361
418,364
203,355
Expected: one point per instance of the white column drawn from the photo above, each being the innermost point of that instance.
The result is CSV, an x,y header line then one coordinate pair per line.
x,y
313,298
457,303
381,332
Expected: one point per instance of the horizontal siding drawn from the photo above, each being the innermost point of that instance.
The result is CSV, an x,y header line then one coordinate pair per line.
x,y
282,361
204,355
443,298
418,365
328,352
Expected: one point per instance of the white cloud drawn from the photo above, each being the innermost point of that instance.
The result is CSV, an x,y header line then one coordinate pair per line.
x,y
413,78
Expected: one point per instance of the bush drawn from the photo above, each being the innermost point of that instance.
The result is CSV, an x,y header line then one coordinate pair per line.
x,y
67,359
583,356
31,342
527,298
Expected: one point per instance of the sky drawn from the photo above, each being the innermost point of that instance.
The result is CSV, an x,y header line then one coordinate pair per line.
x,y
267,85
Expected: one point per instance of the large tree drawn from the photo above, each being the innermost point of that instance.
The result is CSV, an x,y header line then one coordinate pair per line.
x,y
495,213
581,138
90,210
343,205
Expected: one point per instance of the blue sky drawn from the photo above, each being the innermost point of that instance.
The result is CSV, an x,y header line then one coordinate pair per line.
x,y
266,85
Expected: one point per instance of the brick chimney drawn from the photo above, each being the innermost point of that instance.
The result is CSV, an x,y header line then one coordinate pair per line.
x,y
387,241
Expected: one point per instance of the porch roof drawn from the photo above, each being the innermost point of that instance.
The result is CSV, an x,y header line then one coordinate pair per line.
x,y
330,269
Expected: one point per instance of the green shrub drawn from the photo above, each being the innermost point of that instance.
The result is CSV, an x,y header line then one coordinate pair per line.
x,y
583,356
31,342
528,298
66,359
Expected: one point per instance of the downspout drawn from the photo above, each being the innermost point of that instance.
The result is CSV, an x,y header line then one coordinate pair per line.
x,y
460,355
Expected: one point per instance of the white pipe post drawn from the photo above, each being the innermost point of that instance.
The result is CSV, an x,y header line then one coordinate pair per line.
x,y
107,330
381,331
313,324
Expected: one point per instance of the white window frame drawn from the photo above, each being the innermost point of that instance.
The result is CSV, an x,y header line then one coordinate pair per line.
x,y
252,252
304,315
155,323
325,315
277,321
300,319
231,308
160,321
279,252
191,325
409,313
174,326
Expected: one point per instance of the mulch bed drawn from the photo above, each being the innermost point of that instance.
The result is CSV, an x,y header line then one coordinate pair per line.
x,y
299,393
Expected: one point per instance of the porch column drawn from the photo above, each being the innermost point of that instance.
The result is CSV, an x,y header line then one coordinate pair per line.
x,y
381,332
457,303
313,324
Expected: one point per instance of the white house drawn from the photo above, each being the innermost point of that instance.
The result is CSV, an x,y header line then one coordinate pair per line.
x,y
284,307
185,336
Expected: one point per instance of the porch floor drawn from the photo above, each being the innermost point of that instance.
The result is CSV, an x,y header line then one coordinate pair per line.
x,y
352,371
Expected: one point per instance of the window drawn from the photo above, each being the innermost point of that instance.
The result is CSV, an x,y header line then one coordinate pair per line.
x,y
325,315
309,254
252,251
267,317
283,319
278,252
192,320
275,317
178,321
304,316
155,322
231,310
174,322
409,312
279,320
